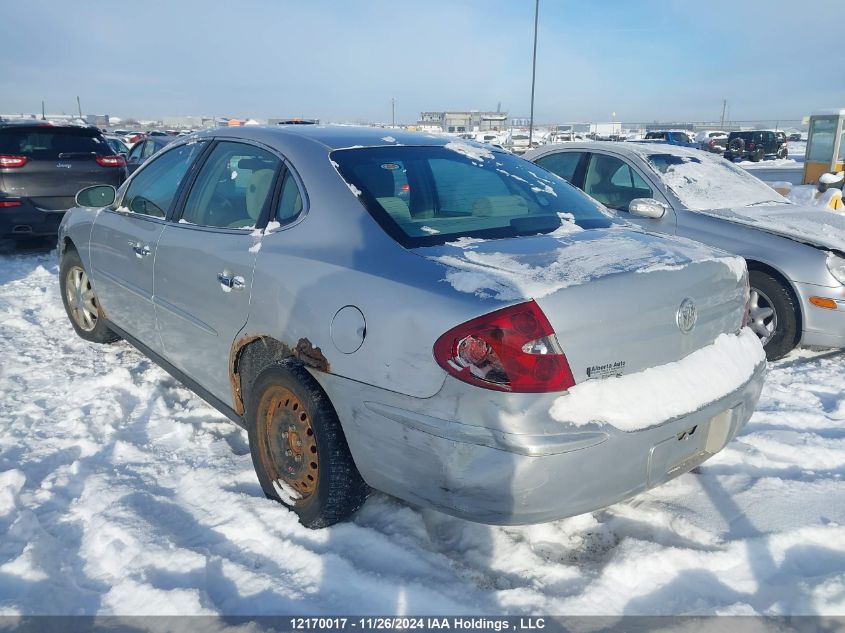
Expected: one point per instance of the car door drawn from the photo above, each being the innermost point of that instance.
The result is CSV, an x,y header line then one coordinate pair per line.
x,y
205,260
124,238
615,182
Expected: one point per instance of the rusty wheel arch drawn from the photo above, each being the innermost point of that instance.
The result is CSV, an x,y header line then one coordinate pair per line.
x,y
253,353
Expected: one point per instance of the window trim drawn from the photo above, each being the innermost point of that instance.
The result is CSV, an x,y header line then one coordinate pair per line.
x,y
266,212
117,205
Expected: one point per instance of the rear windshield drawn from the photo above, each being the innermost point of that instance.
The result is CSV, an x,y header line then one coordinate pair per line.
x,y
49,143
423,196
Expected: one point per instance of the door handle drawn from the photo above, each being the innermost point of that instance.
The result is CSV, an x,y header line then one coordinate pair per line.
x,y
141,250
230,281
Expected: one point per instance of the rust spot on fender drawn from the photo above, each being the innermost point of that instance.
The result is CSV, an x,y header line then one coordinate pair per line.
x,y
234,376
310,355
271,350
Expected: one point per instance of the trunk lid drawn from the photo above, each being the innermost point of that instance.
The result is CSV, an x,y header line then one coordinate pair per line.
x,y
613,296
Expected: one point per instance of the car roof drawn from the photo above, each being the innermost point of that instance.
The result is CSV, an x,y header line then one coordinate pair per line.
x,y
333,137
45,124
626,147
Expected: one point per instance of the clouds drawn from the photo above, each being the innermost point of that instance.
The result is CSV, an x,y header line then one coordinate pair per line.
x,y
344,61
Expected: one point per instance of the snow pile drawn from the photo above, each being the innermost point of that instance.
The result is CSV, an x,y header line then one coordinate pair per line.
x,y
631,402
505,276
121,492
808,195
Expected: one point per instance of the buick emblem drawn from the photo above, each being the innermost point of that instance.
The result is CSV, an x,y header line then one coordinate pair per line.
x,y
687,315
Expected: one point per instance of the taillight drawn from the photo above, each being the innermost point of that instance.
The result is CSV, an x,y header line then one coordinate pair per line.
x,y
751,146
712,143
5,204
513,349
12,161
111,161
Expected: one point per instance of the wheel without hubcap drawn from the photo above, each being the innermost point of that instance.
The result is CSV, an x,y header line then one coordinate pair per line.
x,y
287,447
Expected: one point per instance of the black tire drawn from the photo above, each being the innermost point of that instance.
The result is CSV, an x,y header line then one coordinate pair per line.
x,y
737,145
89,324
296,439
785,335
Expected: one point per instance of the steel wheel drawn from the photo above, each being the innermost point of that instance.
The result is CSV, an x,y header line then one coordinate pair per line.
x,y
81,301
762,318
288,448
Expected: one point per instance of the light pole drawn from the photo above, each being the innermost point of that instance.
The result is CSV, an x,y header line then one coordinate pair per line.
x,y
533,74
392,112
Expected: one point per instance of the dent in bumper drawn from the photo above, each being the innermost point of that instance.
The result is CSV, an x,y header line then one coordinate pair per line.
x,y
491,476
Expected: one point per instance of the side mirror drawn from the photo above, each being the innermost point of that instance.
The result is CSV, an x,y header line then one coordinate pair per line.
x,y
96,196
647,208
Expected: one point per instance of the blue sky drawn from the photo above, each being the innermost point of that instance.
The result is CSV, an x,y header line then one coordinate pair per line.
x,y
344,60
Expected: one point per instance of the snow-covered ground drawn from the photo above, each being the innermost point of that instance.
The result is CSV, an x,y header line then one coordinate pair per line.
x,y
122,492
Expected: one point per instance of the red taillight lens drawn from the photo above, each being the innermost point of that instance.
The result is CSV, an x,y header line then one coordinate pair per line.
x,y
12,161
712,143
751,146
513,349
5,204
111,161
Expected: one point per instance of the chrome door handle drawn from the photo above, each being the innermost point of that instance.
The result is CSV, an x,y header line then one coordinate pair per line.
x,y
230,281
141,250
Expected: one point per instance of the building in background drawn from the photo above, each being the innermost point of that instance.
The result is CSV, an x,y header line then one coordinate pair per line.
x,y
463,121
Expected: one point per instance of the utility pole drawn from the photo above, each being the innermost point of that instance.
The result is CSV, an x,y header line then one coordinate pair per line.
x,y
43,117
724,105
392,112
79,107
533,74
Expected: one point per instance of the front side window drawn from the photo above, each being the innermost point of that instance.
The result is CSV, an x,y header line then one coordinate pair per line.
x,y
233,186
135,153
612,182
153,189
430,195
149,150
563,164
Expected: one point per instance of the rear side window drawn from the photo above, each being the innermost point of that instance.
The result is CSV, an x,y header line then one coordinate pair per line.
x,y
233,186
563,164
290,201
51,143
152,190
430,195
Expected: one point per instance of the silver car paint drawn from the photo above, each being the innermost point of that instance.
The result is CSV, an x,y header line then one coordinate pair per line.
x,y
415,432
800,263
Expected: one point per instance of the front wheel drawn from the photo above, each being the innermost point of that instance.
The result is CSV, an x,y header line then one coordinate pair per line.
x,y
80,301
773,315
298,448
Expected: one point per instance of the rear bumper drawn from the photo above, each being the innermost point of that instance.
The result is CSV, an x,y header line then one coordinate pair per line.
x,y
27,220
547,471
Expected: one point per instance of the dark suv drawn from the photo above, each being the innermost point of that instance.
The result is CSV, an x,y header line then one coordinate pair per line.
x,y
42,166
756,145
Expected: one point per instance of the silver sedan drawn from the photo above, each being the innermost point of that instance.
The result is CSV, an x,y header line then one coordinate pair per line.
x,y
431,318
795,255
